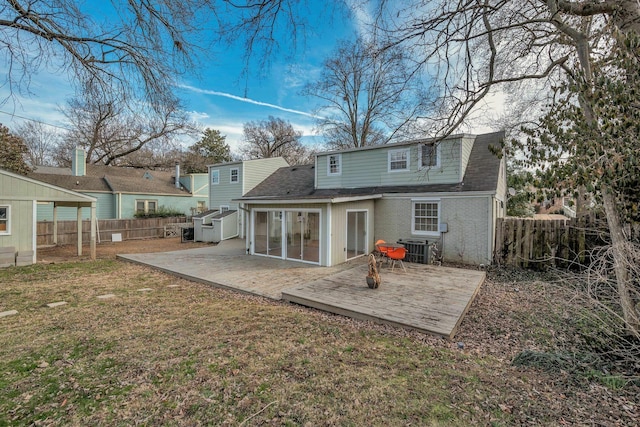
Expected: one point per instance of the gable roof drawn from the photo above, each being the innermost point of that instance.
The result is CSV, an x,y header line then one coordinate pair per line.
x,y
298,182
36,190
111,179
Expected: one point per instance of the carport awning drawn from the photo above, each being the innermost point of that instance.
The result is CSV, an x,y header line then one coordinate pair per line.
x,y
19,187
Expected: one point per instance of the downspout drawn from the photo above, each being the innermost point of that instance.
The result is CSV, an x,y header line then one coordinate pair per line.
x,y
34,237
492,228
328,239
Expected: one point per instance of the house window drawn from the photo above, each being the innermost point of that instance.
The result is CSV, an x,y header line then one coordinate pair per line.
x,y
429,156
399,160
234,175
145,207
5,219
215,177
334,164
425,217
224,208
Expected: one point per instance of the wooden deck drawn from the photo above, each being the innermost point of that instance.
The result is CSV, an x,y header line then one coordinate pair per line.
x,y
427,298
431,299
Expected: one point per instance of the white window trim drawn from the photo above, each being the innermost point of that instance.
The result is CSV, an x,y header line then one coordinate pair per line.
x,y
224,208
231,175
366,229
7,232
339,172
438,157
215,172
400,150
413,217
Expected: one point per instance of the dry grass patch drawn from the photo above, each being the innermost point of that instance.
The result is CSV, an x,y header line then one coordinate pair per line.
x,y
193,355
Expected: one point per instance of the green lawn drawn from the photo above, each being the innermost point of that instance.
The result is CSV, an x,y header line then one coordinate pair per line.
x,y
192,355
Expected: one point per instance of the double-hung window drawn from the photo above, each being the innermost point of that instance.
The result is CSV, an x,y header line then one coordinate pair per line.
x,y
215,177
145,207
235,175
429,156
425,217
398,160
334,164
5,219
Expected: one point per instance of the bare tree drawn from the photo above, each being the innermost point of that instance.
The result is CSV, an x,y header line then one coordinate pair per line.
x,y
41,140
369,94
273,138
110,131
138,47
472,47
138,52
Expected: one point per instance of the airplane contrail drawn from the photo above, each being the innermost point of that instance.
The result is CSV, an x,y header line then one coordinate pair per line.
x,y
248,100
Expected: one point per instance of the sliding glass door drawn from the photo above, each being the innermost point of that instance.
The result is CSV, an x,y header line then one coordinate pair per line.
x,y
268,233
303,236
288,234
356,233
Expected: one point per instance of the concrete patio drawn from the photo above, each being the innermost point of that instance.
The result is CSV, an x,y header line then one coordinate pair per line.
x,y
426,298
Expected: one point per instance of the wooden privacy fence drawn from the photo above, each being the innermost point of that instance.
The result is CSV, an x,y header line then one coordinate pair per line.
x,y
531,243
143,228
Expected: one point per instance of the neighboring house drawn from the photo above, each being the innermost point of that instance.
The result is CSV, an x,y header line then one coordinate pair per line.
x,y
123,192
19,200
227,183
560,205
327,213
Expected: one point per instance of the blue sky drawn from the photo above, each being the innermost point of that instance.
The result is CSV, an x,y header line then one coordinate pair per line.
x,y
218,95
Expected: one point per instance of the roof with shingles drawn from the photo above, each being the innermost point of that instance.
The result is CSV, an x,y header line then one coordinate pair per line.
x,y
100,178
298,182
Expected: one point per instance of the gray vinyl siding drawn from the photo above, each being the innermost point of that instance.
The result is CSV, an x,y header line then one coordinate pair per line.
x,y
501,190
255,171
19,193
21,225
366,168
339,228
465,147
223,193
467,219
196,183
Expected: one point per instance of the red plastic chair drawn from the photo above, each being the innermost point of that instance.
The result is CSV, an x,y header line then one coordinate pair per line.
x,y
381,247
397,255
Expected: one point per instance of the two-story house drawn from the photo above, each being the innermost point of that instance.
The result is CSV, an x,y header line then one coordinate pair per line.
x,y
450,191
227,183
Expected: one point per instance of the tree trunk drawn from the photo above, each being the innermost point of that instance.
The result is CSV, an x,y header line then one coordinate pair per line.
x,y
620,263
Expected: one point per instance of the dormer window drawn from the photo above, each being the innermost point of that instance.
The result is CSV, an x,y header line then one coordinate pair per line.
x,y
234,175
398,160
428,156
334,164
